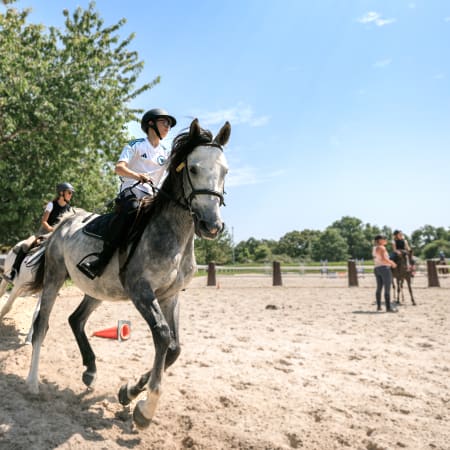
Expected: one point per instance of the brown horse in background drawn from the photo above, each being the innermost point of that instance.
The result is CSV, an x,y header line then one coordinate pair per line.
x,y
403,272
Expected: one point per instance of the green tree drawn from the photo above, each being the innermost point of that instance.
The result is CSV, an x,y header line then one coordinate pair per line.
x,y
63,111
432,249
218,250
330,245
297,244
426,235
352,230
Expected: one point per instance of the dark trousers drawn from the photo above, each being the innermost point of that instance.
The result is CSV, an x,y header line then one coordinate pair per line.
x,y
383,275
126,208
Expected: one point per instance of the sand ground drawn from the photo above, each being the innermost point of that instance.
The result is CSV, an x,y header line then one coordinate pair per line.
x,y
307,365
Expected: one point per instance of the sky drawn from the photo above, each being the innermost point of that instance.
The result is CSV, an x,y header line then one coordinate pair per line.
x,y
337,108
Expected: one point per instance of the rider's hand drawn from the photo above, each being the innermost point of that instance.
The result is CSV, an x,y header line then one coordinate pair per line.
x,y
394,265
144,178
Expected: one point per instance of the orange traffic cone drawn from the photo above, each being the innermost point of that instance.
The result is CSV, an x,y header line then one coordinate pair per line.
x,y
121,332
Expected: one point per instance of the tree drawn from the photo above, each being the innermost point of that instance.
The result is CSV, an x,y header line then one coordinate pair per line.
x,y
330,245
432,249
218,250
352,230
297,244
63,111
426,235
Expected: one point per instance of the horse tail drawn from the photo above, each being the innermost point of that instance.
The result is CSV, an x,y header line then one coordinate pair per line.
x,y
38,280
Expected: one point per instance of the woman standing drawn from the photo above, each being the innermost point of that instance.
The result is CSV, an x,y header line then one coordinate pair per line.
x,y
383,273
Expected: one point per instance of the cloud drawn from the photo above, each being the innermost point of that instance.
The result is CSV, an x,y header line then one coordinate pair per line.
x,y
382,63
375,18
411,5
439,76
447,19
246,175
236,115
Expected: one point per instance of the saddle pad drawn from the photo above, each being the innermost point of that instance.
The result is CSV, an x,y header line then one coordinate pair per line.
x,y
98,227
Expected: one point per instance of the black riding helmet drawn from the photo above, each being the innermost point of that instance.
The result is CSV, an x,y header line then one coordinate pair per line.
x,y
61,187
153,115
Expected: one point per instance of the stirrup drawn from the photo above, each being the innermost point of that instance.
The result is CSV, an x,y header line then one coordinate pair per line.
x,y
81,266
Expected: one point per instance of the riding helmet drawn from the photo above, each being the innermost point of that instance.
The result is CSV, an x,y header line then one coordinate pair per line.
x,y
154,114
64,187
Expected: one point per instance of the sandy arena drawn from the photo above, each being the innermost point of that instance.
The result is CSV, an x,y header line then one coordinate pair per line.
x,y
308,365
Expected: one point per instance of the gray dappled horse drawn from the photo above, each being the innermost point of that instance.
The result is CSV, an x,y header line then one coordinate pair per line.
x,y
401,273
152,270
21,283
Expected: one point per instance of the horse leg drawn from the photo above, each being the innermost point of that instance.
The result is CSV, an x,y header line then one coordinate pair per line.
x,y
48,297
77,321
148,306
3,287
29,337
408,280
128,392
15,292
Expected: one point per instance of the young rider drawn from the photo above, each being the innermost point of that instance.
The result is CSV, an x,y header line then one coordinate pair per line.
x,y
52,212
141,164
399,245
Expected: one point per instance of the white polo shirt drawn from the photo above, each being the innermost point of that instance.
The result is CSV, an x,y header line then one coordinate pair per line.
x,y
142,157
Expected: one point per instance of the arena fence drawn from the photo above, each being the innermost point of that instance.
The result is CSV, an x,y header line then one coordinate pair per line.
x,y
434,271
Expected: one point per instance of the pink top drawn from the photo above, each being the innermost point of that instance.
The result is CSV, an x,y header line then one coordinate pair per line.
x,y
379,258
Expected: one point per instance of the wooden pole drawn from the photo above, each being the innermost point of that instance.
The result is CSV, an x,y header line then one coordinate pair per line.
x,y
211,274
433,279
352,273
276,274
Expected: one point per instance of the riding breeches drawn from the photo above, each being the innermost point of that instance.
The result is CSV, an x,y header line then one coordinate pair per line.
x,y
383,275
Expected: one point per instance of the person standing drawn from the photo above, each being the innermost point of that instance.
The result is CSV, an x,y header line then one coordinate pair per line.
x,y
52,213
141,165
383,273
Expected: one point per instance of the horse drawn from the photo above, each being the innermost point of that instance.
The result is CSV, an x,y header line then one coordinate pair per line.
x,y
21,283
150,269
401,273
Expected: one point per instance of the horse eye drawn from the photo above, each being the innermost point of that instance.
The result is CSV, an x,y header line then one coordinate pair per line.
x,y
193,170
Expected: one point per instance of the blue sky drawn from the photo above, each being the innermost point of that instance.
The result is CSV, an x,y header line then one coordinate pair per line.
x,y
337,107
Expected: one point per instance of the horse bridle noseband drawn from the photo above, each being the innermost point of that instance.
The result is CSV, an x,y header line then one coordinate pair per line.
x,y
194,191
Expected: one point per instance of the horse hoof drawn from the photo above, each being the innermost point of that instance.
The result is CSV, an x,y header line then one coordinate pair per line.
x,y
33,387
139,419
89,379
123,395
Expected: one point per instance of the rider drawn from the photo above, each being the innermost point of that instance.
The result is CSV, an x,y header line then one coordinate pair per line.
x,y
52,213
400,244
141,165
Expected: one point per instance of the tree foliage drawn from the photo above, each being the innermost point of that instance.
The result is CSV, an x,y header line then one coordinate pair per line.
x,y
63,110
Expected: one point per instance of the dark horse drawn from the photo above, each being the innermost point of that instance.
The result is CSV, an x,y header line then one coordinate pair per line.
x,y
401,273
150,270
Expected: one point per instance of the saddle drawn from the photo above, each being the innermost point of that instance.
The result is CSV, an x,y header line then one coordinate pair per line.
x,y
98,227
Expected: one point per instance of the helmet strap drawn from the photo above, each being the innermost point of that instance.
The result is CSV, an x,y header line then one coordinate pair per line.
x,y
154,127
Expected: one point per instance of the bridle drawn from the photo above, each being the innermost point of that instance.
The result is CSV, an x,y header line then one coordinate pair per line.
x,y
194,192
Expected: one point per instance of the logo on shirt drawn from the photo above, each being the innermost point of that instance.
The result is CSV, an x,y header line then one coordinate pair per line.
x,y
144,155
161,160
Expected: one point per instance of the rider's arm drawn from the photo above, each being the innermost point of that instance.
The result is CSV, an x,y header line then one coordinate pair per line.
x,y
44,219
44,222
123,170
407,247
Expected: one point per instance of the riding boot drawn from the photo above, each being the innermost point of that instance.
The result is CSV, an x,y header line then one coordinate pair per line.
x,y
16,265
95,267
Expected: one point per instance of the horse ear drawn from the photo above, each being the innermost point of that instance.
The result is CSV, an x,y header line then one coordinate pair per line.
x,y
194,130
223,135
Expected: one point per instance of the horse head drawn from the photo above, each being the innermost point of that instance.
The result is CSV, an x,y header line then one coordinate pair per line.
x,y
203,167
